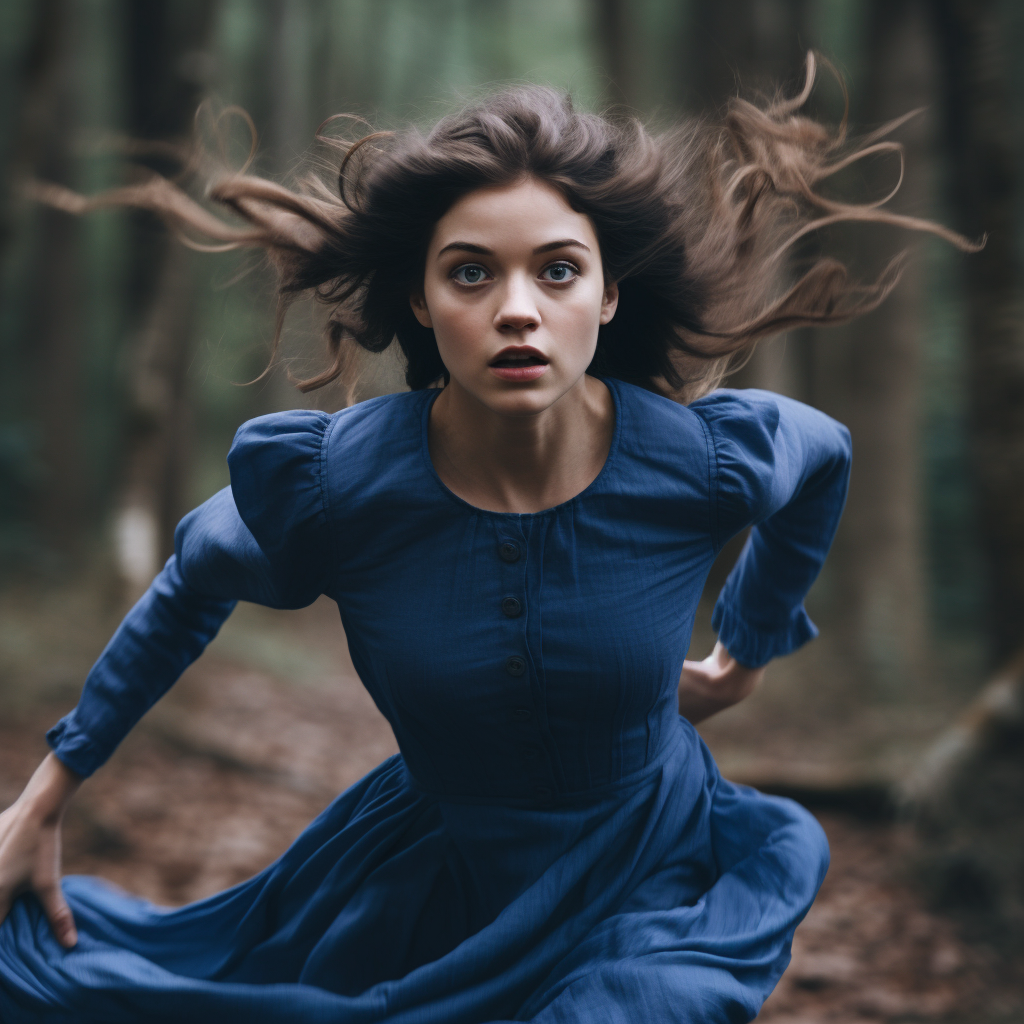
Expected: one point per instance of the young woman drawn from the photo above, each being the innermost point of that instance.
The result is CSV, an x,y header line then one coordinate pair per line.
x,y
517,546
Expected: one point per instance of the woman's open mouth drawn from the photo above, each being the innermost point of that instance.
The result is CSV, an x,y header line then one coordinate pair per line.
x,y
519,363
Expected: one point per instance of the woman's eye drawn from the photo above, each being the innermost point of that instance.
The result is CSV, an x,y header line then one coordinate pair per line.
x,y
559,273
471,273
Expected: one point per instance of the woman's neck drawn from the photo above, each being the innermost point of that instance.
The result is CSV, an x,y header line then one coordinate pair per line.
x,y
521,463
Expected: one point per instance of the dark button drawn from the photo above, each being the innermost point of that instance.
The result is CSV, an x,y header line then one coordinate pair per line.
x,y
541,792
530,753
522,714
511,607
515,666
509,552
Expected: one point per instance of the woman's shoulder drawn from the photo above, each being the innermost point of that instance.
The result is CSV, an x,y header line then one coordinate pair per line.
x,y
662,448
303,437
733,438
379,427
293,462
740,410
665,435
723,407
647,413
291,428
751,425
741,425
763,444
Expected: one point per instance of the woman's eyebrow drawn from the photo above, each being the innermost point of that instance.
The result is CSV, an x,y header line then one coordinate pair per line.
x,y
466,247
482,250
562,243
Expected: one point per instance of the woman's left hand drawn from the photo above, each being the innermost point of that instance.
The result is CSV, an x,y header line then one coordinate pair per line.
x,y
719,681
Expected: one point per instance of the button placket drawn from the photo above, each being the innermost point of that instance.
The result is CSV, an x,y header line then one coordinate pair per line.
x,y
511,551
522,716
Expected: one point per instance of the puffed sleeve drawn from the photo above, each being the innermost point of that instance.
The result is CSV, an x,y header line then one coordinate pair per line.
x,y
263,539
783,468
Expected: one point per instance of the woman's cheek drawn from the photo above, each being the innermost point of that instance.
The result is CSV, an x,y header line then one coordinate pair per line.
x,y
580,326
461,334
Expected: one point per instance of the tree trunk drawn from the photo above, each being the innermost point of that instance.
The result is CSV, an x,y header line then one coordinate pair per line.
x,y
763,37
968,791
612,25
155,470
165,60
981,137
50,335
867,375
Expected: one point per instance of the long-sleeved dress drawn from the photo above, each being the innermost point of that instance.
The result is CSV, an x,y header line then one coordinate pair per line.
x,y
554,843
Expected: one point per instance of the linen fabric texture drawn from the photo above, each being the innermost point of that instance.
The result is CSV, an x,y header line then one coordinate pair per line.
x,y
554,843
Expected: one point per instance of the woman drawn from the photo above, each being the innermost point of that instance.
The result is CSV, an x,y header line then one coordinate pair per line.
x,y
517,556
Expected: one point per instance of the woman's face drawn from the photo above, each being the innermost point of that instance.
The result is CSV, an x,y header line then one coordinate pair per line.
x,y
514,290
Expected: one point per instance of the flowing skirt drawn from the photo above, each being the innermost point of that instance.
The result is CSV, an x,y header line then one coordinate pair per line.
x,y
672,896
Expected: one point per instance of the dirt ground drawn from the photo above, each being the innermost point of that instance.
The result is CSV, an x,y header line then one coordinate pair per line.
x,y
263,732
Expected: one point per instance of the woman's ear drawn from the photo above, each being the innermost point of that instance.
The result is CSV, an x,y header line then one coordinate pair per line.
x,y
610,301
419,309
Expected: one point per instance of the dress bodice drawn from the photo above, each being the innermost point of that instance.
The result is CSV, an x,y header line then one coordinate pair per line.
x,y
529,657
526,656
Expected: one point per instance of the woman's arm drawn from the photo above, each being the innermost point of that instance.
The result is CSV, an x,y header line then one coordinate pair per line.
x,y
166,630
271,553
263,539
163,633
782,468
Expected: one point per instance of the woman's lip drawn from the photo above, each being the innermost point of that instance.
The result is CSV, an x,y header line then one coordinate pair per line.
x,y
522,352
528,371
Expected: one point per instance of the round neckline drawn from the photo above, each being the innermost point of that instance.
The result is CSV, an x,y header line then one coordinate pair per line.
x,y
608,382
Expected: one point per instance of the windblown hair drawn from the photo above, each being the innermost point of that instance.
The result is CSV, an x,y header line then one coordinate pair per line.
x,y
696,225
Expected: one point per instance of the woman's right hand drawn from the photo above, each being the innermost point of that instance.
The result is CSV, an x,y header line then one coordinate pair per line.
x,y
714,684
30,846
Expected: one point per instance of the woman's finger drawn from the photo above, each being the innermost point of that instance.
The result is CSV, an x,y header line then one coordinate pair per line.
x,y
58,913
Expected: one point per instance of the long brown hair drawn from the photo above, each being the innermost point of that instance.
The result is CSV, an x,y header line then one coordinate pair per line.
x,y
696,225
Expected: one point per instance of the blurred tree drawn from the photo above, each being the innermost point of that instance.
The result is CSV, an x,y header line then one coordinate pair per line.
x,y
983,147
612,24
167,61
750,48
969,789
740,45
44,277
867,375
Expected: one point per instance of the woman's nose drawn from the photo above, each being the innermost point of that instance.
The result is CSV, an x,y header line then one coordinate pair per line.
x,y
517,310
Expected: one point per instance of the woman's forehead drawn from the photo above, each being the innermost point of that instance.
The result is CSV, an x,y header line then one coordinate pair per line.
x,y
528,213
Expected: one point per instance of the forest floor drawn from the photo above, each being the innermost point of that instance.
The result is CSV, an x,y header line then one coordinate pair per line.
x,y
272,723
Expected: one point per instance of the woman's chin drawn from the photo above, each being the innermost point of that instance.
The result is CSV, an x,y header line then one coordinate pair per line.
x,y
516,393
526,398
525,374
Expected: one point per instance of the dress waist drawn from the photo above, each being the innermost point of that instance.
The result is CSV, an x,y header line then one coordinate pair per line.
x,y
678,743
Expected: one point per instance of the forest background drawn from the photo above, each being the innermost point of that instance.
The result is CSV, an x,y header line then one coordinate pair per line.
x,y
124,357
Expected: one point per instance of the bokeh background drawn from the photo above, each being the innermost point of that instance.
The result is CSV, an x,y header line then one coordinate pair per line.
x,y
124,359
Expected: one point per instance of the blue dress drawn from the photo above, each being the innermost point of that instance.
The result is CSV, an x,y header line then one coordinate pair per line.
x,y
553,843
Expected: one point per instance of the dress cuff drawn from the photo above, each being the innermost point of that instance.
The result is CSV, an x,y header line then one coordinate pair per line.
x,y
754,647
74,748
